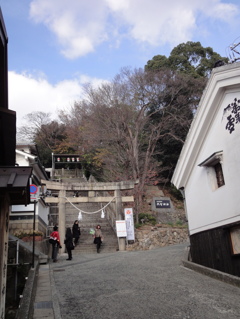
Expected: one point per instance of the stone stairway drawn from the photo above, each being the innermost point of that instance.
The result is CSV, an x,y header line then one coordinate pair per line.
x,y
110,242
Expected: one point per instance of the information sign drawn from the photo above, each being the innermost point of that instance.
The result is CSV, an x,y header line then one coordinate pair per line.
x,y
121,228
163,203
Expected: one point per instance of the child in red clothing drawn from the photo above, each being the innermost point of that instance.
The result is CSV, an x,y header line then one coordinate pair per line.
x,y
57,244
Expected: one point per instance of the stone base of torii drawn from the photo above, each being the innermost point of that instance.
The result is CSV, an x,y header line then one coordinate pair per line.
x,y
92,189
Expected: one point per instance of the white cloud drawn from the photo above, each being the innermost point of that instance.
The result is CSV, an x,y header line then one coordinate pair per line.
x,y
158,22
223,11
80,26
28,94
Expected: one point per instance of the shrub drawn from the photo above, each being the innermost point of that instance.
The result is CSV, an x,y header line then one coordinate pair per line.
x,y
137,225
22,234
147,218
175,192
179,222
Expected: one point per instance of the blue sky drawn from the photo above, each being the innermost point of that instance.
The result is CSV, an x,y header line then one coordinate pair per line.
x,y
55,46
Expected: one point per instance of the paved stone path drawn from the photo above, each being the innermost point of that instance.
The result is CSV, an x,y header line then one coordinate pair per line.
x,y
138,285
43,305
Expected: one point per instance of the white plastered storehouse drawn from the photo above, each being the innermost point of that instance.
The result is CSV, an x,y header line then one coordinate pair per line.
x,y
208,173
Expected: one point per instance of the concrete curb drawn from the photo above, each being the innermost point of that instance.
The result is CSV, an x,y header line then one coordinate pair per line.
x,y
26,305
229,279
56,308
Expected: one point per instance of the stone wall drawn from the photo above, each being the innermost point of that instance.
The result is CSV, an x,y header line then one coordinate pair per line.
x,y
148,237
163,215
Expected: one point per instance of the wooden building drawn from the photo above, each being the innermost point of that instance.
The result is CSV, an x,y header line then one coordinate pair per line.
x,y
14,181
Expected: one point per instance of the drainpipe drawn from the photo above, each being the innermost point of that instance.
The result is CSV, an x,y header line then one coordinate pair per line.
x,y
17,252
182,191
16,273
34,226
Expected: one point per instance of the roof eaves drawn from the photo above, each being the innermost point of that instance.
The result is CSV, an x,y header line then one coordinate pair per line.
x,y
221,78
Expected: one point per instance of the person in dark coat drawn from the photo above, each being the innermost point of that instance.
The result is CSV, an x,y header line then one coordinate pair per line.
x,y
76,232
69,243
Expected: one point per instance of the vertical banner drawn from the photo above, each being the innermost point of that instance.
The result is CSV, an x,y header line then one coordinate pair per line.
x,y
128,212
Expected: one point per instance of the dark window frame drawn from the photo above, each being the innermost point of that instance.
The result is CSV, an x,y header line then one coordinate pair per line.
x,y
219,174
215,161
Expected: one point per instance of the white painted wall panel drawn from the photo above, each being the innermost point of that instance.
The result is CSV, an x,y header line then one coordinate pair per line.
x,y
208,208
42,211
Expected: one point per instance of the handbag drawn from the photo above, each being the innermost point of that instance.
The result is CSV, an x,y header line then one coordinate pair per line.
x,y
52,240
72,246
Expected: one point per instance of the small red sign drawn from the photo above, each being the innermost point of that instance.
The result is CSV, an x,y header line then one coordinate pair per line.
x,y
33,189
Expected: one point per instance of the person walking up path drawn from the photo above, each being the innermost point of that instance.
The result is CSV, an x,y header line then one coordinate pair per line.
x,y
76,232
69,243
98,237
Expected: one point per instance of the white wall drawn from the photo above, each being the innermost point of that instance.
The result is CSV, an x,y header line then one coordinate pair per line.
x,y
208,207
23,208
19,210
21,160
42,211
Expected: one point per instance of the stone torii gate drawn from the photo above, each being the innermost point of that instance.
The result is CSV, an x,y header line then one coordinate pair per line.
x,y
91,188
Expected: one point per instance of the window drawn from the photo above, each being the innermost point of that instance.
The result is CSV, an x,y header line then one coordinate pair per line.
x,y
235,240
214,169
219,174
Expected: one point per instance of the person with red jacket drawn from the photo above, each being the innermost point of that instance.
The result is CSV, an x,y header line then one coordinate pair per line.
x,y
56,244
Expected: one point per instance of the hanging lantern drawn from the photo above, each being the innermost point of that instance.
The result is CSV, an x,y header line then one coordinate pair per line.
x,y
103,214
79,216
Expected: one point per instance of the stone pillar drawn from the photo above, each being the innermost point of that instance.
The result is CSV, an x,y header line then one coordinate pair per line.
x,y
91,193
4,222
120,216
53,167
119,209
61,217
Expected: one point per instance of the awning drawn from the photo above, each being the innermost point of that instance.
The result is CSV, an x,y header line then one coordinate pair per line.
x,y
14,181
